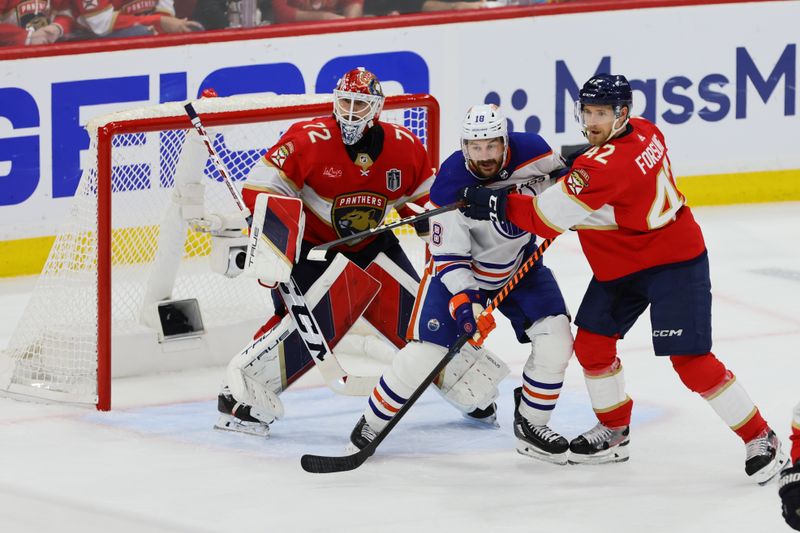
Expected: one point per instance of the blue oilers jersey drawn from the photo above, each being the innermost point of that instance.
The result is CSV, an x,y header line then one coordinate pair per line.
x,y
480,254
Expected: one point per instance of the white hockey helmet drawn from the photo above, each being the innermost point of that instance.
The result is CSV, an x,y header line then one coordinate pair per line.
x,y
357,103
483,122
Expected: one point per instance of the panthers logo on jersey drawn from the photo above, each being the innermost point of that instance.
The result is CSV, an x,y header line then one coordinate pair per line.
x,y
356,212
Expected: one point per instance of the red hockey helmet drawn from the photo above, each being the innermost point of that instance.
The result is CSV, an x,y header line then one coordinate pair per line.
x,y
357,103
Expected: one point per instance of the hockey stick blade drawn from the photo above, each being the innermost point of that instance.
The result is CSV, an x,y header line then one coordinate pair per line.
x,y
317,253
321,464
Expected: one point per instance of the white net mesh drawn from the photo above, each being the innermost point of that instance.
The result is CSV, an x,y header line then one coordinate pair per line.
x,y
154,253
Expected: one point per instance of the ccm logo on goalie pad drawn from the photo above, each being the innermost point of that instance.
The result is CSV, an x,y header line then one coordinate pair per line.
x,y
312,337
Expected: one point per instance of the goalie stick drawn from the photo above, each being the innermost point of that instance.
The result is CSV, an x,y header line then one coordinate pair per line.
x,y
321,464
317,253
336,378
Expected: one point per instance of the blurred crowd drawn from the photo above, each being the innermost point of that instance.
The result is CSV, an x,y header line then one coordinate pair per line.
x,y
36,22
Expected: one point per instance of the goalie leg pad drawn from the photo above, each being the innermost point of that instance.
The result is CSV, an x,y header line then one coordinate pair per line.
x,y
391,313
471,379
543,374
275,235
278,357
254,374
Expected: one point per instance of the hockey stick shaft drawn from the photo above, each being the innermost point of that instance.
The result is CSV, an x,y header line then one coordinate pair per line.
x,y
317,253
318,464
311,334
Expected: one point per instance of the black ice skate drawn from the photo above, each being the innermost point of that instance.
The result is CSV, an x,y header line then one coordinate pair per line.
x,y
539,442
361,435
600,445
486,416
765,458
238,417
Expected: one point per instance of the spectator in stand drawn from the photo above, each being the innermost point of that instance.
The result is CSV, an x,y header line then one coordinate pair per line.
x,y
304,10
26,23
402,7
221,14
129,18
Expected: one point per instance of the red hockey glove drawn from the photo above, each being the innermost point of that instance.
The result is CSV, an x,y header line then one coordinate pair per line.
x,y
466,309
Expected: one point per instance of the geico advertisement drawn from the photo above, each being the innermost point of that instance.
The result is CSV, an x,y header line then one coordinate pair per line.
x,y
720,80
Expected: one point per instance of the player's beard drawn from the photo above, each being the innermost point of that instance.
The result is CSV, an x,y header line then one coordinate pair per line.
x,y
598,137
486,168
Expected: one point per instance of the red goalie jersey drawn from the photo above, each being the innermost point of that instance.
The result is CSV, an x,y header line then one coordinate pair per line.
x,y
622,199
343,193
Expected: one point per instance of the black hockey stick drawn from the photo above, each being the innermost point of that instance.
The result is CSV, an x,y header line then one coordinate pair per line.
x,y
321,464
317,253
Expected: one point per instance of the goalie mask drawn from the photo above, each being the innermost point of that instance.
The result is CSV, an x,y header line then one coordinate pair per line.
x,y
600,91
357,103
484,141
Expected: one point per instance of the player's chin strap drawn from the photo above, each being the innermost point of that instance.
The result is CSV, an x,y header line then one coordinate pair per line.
x,y
318,253
319,464
332,372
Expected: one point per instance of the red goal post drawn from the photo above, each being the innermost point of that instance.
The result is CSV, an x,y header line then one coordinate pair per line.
x,y
134,240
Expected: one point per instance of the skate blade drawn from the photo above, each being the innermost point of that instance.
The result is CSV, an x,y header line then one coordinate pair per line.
x,y
617,454
532,451
234,425
490,422
766,474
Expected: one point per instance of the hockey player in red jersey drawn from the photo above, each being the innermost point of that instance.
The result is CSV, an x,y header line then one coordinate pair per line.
x,y
789,486
349,170
645,249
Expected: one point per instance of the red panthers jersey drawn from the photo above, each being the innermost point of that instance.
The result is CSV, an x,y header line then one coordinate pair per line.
x,y
35,14
622,199
101,17
342,196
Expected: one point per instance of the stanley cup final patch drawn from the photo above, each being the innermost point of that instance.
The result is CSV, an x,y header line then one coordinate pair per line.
x,y
577,181
393,179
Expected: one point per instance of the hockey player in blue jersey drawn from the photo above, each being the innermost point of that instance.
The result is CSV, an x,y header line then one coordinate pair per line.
x,y
471,260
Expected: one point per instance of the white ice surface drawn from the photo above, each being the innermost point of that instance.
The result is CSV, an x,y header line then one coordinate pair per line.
x,y
154,464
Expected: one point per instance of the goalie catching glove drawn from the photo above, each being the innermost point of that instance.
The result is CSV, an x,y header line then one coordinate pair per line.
x,y
466,308
275,236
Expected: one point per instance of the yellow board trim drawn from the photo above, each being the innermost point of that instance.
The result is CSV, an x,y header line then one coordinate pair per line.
x,y
743,188
24,257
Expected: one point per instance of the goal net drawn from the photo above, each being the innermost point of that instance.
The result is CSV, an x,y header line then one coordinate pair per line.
x,y
134,283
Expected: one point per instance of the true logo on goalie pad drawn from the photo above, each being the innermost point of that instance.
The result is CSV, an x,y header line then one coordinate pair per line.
x,y
393,179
